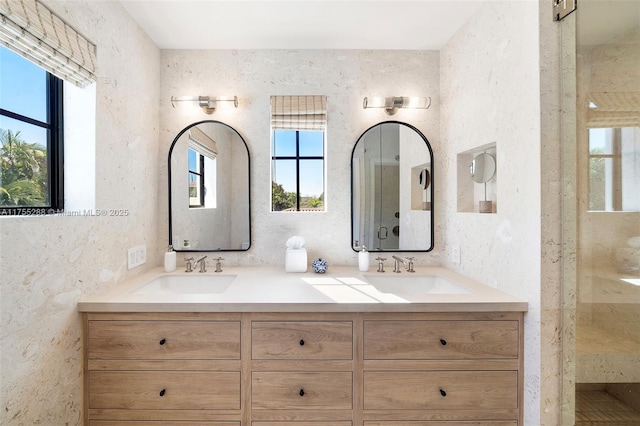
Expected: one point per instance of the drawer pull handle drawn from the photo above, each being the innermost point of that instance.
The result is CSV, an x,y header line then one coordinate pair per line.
x,y
162,392
442,392
301,342
301,392
162,341
443,342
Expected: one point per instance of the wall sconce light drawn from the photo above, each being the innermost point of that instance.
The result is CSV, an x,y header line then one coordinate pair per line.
x,y
393,103
207,103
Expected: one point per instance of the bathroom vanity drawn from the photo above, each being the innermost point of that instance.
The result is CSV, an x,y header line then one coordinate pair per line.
x,y
276,349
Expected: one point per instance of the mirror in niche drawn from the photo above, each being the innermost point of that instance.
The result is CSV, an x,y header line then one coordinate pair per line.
x,y
209,201
482,168
392,189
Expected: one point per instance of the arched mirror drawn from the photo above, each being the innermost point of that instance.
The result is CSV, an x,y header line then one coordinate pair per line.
x,y
392,189
209,203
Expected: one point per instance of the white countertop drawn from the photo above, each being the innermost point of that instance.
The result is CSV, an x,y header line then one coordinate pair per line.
x,y
270,289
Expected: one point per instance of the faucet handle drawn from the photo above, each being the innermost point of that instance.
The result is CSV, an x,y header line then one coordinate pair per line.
x,y
410,267
189,265
203,264
381,263
219,264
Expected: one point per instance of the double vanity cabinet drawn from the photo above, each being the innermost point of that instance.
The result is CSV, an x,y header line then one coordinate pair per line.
x,y
304,365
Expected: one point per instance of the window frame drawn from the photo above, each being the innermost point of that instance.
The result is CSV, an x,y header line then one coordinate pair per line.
x,y
55,150
297,157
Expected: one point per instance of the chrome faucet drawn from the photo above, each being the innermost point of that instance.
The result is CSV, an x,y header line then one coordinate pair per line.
x,y
203,265
189,265
396,264
381,263
408,263
219,264
410,267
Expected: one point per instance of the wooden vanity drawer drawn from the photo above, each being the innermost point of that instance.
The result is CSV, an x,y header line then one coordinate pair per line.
x,y
309,423
440,390
164,390
281,390
440,339
443,423
158,423
302,340
163,340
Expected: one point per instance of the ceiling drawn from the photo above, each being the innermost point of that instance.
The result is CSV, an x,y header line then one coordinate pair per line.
x,y
301,24
599,21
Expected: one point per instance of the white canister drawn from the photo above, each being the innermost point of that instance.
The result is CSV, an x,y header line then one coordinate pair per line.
x,y
170,260
363,260
295,260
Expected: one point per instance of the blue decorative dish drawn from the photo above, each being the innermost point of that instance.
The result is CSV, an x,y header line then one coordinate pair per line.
x,y
319,266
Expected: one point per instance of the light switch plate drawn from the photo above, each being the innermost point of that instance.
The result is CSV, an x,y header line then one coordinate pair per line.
x,y
136,256
455,254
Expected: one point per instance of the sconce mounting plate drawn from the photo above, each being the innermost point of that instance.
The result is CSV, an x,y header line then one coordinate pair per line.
x,y
562,8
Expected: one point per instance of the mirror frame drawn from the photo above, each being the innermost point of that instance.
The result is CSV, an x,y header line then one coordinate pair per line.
x,y
431,190
175,140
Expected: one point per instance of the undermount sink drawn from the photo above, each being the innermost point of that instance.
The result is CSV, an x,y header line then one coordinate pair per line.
x,y
187,284
414,284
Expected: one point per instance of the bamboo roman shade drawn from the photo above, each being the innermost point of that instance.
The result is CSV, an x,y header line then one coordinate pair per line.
x,y
201,143
30,29
299,112
614,109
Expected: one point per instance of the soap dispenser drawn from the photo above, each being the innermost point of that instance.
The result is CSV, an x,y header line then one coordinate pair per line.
x,y
363,259
170,260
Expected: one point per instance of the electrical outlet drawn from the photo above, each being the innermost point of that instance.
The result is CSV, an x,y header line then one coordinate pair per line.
x,y
455,254
136,256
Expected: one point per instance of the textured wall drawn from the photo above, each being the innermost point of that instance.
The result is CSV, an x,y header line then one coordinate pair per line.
x,y
48,263
486,83
490,92
345,77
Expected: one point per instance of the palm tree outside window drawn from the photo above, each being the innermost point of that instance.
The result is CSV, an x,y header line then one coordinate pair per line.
x,y
31,138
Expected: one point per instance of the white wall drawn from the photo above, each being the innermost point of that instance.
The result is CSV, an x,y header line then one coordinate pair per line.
x,y
486,82
48,263
490,92
345,76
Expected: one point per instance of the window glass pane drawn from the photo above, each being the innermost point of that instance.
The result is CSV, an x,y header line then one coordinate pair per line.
x,y
210,183
596,183
630,168
194,189
284,143
283,191
284,173
23,164
194,161
311,144
23,86
312,185
600,141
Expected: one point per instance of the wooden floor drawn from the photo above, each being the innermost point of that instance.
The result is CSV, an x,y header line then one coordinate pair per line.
x,y
599,408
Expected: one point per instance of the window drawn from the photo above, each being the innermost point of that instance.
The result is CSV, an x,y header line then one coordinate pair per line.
x,y
297,170
31,138
614,169
203,154
31,110
196,179
298,140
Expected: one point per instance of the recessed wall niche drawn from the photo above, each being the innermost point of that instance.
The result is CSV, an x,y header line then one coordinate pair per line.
x,y
476,184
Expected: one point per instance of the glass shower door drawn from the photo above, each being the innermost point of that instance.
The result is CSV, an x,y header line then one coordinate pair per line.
x,y
607,176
